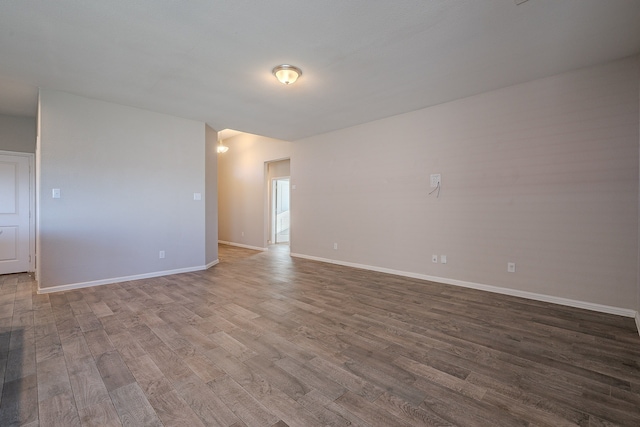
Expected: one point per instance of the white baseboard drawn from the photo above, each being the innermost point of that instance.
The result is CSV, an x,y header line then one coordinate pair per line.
x,y
489,288
211,264
69,287
240,245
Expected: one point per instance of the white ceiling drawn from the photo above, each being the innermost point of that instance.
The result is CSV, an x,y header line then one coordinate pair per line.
x,y
211,60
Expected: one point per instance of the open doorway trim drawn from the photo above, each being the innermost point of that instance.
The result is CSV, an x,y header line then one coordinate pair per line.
x,y
267,198
273,210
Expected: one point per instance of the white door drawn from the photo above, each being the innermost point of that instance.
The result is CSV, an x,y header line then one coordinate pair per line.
x,y
14,214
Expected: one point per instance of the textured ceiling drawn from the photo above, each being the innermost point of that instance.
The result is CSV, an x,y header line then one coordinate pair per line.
x,y
362,59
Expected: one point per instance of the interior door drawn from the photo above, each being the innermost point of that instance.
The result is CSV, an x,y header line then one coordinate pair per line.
x,y
14,214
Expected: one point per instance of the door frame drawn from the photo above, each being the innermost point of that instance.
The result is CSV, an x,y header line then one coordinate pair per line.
x,y
32,203
272,215
266,230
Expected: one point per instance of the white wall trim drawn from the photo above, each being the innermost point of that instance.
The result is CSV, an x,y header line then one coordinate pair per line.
x,y
240,245
211,264
69,287
489,288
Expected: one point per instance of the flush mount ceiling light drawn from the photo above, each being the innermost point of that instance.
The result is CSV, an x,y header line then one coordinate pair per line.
x,y
222,148
287,74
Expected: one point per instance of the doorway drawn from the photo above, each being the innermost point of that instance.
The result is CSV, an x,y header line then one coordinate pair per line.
x,y
17,242
281,213
278,218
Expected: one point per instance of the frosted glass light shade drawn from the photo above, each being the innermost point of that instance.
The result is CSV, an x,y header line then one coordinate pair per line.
x,y
287,74
222,148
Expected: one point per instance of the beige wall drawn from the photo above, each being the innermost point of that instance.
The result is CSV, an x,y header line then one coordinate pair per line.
x,y
18,134
278,169
543,174
242,188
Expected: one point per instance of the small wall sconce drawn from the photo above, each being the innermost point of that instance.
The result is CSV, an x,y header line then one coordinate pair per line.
x,y
222,148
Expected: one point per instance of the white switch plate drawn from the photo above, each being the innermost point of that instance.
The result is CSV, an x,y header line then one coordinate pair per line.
x,y
335,246
443,259
55,193
161,255
436,180
434,258
197,196
511,267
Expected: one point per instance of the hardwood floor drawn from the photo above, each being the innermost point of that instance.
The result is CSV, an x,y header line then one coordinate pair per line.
x,y
266,340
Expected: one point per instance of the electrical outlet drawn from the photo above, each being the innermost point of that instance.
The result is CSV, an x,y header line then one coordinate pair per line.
x,y
511,267
434,258
161,255
443,259
436,180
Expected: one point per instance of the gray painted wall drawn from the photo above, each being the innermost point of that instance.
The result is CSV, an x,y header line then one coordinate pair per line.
x,y
127,178
18,134
543,174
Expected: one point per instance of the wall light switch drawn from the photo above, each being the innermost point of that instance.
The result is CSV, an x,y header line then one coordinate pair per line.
x,y
511,267
55,193
443,259
436,180
197,196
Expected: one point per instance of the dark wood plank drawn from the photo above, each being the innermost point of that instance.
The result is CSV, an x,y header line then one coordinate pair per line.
x,y
174,411
86,382
148,376
100,415
53,378
133,407
206,404
113,370
241,403
59,411
372,414
19,401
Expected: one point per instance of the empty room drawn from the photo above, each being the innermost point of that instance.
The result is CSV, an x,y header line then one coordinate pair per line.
x,y
279,213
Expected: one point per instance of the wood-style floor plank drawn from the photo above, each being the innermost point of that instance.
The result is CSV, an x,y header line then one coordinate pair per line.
x,y
263,339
